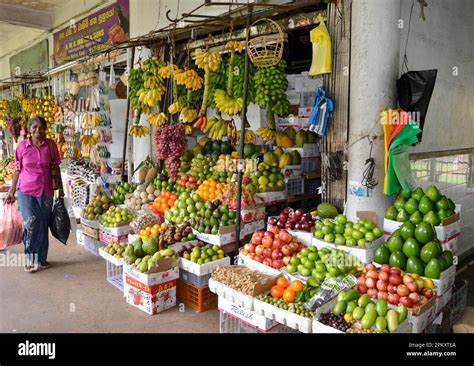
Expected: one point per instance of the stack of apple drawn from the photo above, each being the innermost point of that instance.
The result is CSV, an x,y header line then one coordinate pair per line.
x,y
293,220
188,181
273,247
391,284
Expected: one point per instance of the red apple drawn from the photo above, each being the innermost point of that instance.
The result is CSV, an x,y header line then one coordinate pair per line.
x,y
298,226
275,230
370,283
395,279
294,246
251,255
276,254
286,250
412,286
267,242
247,247
362,289
407,279
299,212
280,225
287,210
256,240
283,217
288,225
270,234
427,292
402,291
278,263
392,288
415,298
361,280
383,276
395,271
385,268
406,302
277,243
305,227
286,259
381,285
268,262
393,298
273,221
267,253
372,292
370,267
382,295
259,249
244,251
285,236
258,258
372,274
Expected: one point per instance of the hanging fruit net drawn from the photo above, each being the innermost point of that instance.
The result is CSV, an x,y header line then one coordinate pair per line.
x,y
266,50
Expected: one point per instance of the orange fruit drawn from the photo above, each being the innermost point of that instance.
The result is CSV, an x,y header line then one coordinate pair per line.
x,y
282,282
296,286
277,291
289,295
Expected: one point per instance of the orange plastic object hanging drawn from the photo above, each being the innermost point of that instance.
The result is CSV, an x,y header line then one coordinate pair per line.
x,y
321,62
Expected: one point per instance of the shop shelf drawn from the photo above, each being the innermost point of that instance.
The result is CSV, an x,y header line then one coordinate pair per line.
x,y
115,275
199,299
458,301
294,187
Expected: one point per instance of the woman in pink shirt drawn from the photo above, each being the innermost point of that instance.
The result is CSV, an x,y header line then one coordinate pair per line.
x,y
32,178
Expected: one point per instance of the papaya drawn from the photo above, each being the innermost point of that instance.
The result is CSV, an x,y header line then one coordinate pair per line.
x,y
283,140
290,132
284,160
300,138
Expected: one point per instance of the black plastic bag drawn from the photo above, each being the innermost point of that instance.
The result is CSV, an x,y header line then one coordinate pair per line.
x,y
414,93
60,225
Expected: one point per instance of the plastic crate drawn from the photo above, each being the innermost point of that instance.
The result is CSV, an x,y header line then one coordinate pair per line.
x,y
195,280
294,187
199,299
115,275
230,324
92,245
311,185
310,165
458,301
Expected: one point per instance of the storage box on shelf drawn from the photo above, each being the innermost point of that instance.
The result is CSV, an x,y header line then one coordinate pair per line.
x,y
307,151
116,231
110,258
109,238
152,292
294,187
243,260
424,316
442,299
198,275
225,235
310,165
446,280
364,254
92,245
458,300
272,197
89,231
197,298
253,213
292,171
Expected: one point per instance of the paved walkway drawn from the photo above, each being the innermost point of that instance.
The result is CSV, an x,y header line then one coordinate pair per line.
x,y
74,296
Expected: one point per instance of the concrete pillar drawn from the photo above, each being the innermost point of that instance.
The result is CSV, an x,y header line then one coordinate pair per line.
x,y
375,43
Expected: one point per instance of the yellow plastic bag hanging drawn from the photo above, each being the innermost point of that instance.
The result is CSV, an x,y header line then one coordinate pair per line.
x,y
321,62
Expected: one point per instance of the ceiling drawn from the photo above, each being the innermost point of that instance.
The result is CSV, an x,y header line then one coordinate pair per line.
x,y
46,5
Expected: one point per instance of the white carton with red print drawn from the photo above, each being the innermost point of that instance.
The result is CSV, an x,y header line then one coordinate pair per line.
x,y
152,292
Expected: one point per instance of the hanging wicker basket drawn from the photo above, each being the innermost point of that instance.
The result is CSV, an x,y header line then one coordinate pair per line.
x,y
266,50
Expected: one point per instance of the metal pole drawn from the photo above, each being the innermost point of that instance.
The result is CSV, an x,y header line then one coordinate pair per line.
x,y
127,120
242,127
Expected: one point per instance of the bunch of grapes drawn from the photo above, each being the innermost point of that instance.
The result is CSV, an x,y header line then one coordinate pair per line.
x,y
170,145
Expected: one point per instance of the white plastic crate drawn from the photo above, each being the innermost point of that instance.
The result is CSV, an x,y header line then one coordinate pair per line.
x,y
115,275
92,245
294,187
195,280
230,324
310,165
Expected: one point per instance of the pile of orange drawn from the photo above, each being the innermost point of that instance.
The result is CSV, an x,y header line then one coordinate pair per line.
x,y
286,290
151,231
210,189
164,201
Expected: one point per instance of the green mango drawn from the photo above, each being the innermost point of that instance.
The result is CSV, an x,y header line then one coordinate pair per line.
x,y
433,193
424,233
393,320
369,319
382,255
430,251
415,265
407,230
402,215
442,204
381,324
418,194
451,205
432,218
433,269
381,307
394,243
398,259
416,217
405,194
391,213
411,248
448,256
443,263
340,307
399,203
442,214
402,313
358,313
350,307
411,206
425,205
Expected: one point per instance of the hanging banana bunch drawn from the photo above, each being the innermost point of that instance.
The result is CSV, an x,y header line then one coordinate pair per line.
x,y
176,107
157,119
224,100
267,133
153,87
188,115
249,136
165,71
138,130
189,78
91,139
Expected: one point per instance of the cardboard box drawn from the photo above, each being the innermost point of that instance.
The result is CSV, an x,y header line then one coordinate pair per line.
x,y
364,254
305,112
292,171
443,300
116,231
272,197
424,317
246,316
109,238
89,231
307,151
166,269
307,99
253,213
111,258
294,98
446,280
225,235
203,269
451,245
251,227
94,224
448,230
152,304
